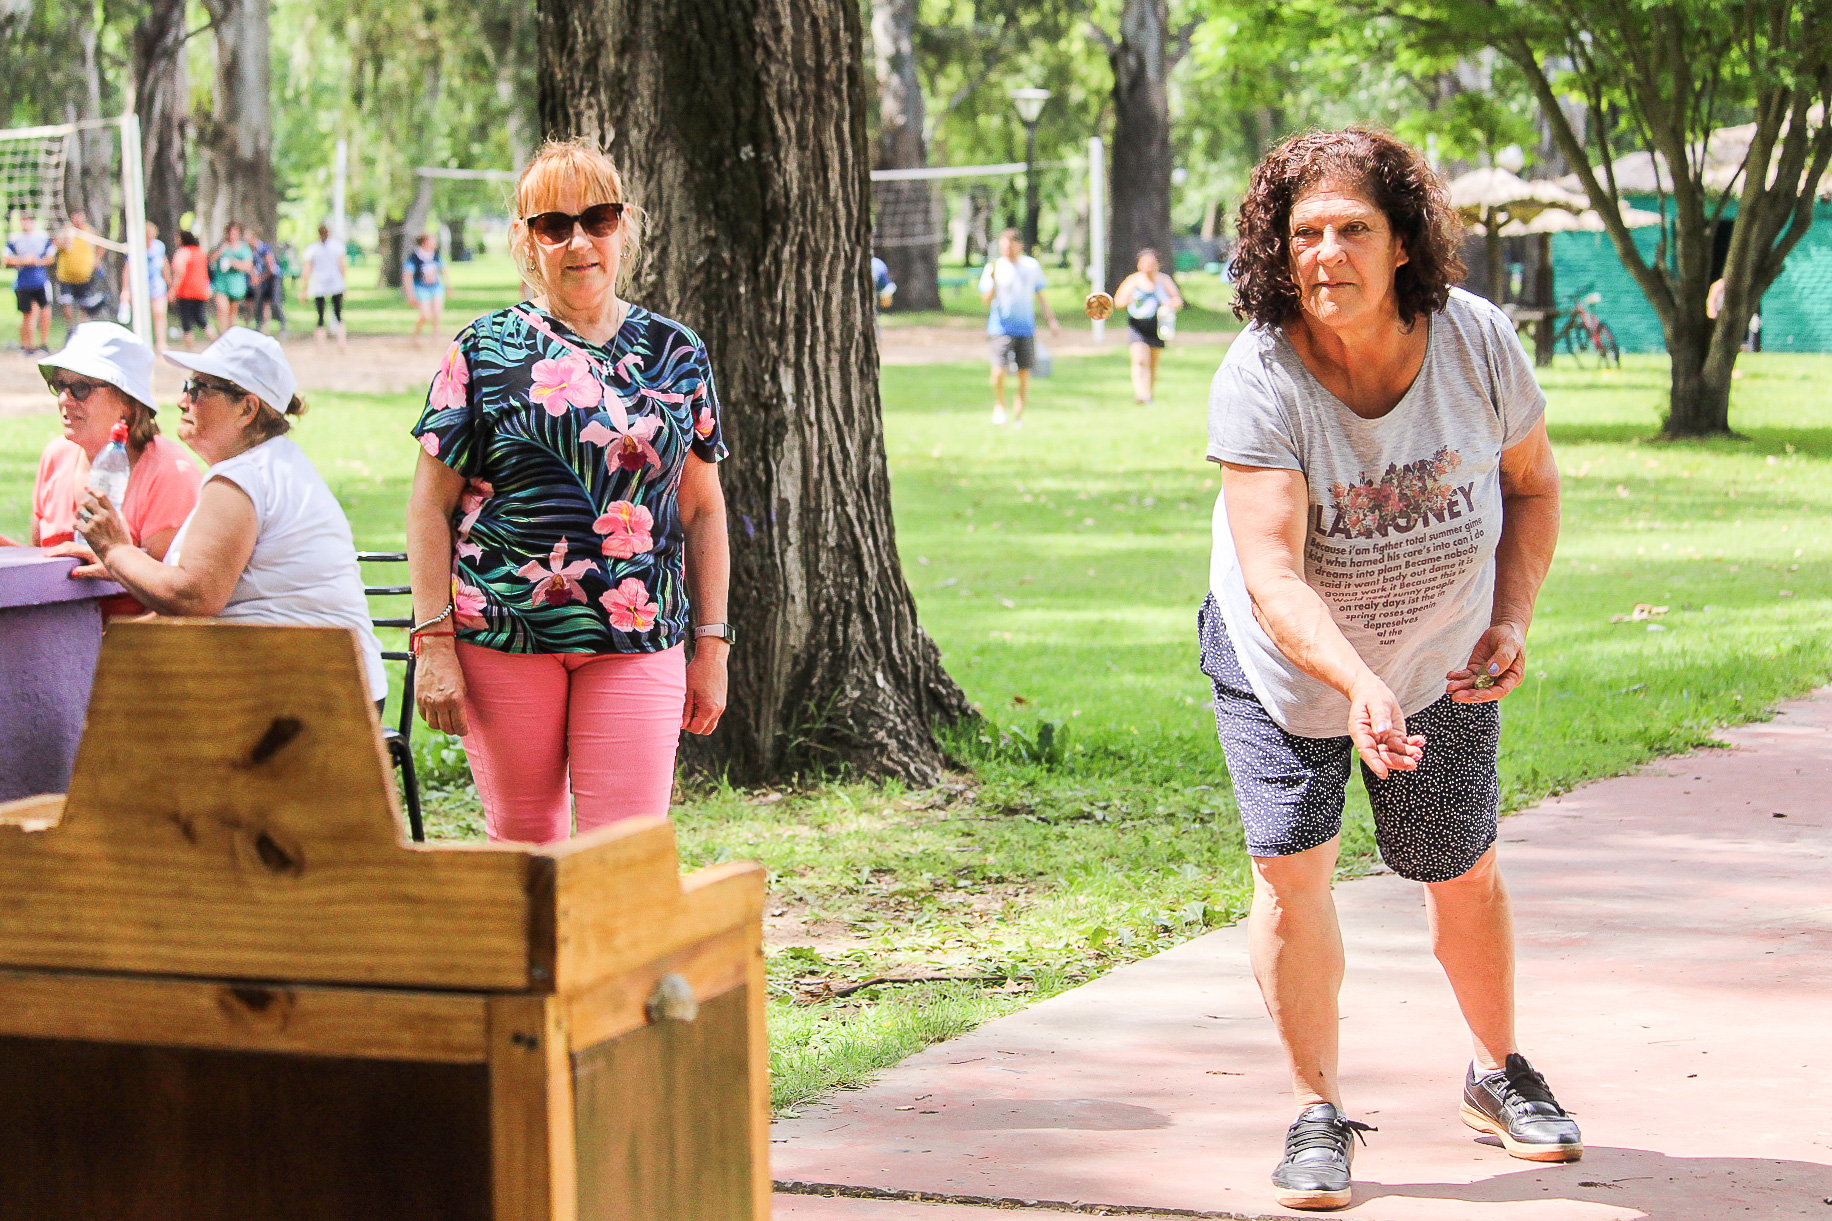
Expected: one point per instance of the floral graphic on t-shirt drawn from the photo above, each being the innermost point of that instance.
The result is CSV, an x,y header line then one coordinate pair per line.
x,y
632,610
557,583
1404,494
449,383
560,385
628,530
467,605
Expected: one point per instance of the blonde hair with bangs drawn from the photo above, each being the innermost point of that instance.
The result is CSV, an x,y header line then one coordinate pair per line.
x,y
571,167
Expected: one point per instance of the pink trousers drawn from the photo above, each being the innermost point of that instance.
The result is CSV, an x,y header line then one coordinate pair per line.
x,y
607,722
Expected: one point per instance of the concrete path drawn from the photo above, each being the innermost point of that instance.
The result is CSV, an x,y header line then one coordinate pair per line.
x,y
1676,989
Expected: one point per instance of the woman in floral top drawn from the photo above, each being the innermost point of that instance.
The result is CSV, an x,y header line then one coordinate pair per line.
x,y
566,528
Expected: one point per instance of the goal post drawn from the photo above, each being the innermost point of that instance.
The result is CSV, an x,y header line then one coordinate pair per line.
x,y
33,162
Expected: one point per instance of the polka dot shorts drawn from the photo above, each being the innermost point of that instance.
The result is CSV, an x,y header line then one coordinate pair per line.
x,y
1432,824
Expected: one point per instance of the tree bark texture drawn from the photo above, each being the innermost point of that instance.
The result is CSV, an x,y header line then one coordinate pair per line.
x,y
914,266
237,182
740,127
1139,180
162,101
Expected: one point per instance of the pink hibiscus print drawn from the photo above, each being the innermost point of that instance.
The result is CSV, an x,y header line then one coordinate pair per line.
x,y
449,383
430,443
470,503
626,441
630,607
628,530
557,583
467,604
703,424
562,384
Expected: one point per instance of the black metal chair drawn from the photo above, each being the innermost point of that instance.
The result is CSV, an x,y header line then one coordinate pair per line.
x,y
399,741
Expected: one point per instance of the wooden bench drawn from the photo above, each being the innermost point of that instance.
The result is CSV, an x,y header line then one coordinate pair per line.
x,y
230,988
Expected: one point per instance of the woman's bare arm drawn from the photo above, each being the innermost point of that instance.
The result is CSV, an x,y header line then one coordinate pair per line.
x,y
709,566
1523,557
438,682
1267,509
217,545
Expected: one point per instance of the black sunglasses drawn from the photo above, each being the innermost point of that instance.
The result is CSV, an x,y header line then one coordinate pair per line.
x,y
556,228
198,385
79,389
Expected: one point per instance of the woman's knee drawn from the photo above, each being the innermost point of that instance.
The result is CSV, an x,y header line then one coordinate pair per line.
x,y
1309,872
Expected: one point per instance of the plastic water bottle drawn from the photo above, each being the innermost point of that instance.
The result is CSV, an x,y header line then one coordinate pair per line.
x,y
108,473
1167,322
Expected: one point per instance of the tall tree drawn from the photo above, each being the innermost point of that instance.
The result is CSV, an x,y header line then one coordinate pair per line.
x,y
237,178
1661,77
740,125
162,102
908,245
1143,56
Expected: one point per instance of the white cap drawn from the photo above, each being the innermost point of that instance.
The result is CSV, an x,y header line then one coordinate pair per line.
x,y
251,360
108,352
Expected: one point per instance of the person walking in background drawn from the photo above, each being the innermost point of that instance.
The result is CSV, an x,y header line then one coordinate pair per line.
x,y
882,283
102,378
1013,285
158,281
268,292
1389,510
566,533
326,276
30,252
1149,298
78,269
232,272
423,280
191,285
267,542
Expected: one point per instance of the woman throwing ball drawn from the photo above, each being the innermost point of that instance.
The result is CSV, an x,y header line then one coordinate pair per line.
x,y
1389,509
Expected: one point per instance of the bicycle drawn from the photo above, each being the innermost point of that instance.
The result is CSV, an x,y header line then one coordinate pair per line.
x,y
1584,334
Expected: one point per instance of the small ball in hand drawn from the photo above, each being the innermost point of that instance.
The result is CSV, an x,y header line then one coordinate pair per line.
x,y
1098,306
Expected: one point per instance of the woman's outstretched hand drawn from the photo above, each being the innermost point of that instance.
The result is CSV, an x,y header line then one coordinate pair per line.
x,y
1377,727
706,679
1496,666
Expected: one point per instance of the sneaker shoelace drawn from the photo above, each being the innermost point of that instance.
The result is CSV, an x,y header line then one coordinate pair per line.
x,y
1523,1084
1308,1134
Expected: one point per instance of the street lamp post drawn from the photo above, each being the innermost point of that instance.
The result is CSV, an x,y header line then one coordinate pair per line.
x,y
1029,103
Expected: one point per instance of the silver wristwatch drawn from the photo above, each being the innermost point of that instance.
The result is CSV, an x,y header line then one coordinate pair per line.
x,y
723,631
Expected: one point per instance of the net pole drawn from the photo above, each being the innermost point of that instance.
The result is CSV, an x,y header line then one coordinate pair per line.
x,y
1097,226
133,200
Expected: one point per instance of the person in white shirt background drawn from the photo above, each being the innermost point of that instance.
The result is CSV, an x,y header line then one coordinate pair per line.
x,y
325,279
1013,285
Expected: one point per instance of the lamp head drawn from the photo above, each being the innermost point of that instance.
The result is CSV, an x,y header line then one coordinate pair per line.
x,y
1029,103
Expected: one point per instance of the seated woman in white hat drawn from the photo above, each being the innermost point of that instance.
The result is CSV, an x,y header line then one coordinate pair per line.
x,y
268,542
104,377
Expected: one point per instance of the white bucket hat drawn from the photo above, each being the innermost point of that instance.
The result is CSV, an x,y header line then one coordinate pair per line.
x,y
253,361
108,352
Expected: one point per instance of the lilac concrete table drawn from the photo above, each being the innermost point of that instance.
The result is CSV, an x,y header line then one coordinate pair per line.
x,y
50,633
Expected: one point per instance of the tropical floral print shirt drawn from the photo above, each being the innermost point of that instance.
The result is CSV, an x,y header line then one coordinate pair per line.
x,y
569,536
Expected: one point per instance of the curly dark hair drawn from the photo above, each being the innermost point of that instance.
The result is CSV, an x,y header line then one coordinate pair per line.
x,y
1392,175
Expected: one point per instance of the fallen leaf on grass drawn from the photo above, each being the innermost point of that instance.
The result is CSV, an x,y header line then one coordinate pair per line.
x,y
1643,610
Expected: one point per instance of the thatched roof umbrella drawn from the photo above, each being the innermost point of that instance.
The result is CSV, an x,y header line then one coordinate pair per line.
x,y
1493,198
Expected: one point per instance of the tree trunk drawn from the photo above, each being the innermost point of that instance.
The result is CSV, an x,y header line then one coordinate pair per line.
x,y
740,125
238,139
909,230
1141,161
1699,395
162,101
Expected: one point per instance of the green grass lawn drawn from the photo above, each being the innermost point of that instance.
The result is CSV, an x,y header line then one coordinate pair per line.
x,y
1060,569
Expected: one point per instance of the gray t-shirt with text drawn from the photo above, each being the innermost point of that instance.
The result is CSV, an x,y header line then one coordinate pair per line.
x,y
1405,510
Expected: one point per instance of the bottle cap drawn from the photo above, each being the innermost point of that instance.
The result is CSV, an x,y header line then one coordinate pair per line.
x,y
118,433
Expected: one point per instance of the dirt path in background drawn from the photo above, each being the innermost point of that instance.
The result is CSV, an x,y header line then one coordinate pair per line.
x,y
393,364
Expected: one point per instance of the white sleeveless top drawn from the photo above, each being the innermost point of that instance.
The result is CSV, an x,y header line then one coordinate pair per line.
x,y
303,569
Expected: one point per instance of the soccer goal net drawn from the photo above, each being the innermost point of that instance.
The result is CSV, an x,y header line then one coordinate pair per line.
x,y
36,168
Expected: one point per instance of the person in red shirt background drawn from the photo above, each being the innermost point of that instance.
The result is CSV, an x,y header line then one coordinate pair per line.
x,y
104,376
